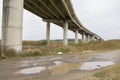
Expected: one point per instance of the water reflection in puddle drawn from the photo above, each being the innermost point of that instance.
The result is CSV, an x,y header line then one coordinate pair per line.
x,y
62,68
57,69
32,70
95,65
58,62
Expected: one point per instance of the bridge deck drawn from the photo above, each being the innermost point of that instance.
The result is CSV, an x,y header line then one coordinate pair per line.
x,y
55,11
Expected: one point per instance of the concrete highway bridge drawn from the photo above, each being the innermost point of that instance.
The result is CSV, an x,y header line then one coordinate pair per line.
x,y
59,12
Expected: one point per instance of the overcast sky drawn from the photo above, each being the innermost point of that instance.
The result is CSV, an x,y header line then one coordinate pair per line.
x,y
100,16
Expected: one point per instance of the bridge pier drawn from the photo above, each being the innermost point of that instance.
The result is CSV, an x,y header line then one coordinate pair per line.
x,y
92,38
48,32
83,38
88,38
12,23
76,36
95,38
65,33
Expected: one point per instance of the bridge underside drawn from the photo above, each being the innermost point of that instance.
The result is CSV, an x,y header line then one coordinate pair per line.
x,y
59,12
54,11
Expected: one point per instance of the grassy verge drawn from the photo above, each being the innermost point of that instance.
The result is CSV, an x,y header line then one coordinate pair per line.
x,y
111,73
40,48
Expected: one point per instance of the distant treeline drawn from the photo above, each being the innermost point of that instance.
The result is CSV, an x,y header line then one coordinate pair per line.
x,y
70,40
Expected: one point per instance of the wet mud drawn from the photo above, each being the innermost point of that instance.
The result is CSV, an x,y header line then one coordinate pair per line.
x,y
60,67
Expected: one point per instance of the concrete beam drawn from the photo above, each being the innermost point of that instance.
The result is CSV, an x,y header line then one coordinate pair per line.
x,y
65,33
48,32
39,9
12,23
56,20
36,12
46,6
76,36
57,8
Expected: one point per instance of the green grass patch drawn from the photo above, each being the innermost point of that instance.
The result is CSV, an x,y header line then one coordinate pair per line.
x,y
100,74
32,54
35,43
111,73
64,50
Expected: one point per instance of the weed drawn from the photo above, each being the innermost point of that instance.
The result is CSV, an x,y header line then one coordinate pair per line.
x,y
35,43
32,54
111,73
64,50
43,42
100,74
10,53
40,48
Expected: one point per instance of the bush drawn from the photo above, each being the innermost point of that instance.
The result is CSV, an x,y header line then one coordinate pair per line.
x,y
31,54
35,43
64,50
100,74
43,42
9,53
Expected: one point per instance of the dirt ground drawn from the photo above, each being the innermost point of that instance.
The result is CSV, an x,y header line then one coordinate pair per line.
x,y
57,67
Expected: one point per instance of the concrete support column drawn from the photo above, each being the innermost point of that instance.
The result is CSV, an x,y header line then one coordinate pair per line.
x,y
83,38
76,36
93,38
12,23
65,33
88,38
85,41
48,32
97,39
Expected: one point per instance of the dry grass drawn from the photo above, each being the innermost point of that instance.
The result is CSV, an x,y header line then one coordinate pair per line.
x,y
111,73
101,46
40,48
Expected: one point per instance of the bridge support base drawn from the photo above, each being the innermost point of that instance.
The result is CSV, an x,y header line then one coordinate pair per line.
x,y
12,25
76,36
92,38
65,33
48,32
86,38
83,38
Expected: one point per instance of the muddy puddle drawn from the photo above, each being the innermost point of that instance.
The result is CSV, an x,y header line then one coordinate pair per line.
x,y
32,70
95,65
62,68
58,69
60,65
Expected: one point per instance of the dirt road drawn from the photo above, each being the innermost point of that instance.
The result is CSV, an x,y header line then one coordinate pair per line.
x,y
60,67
